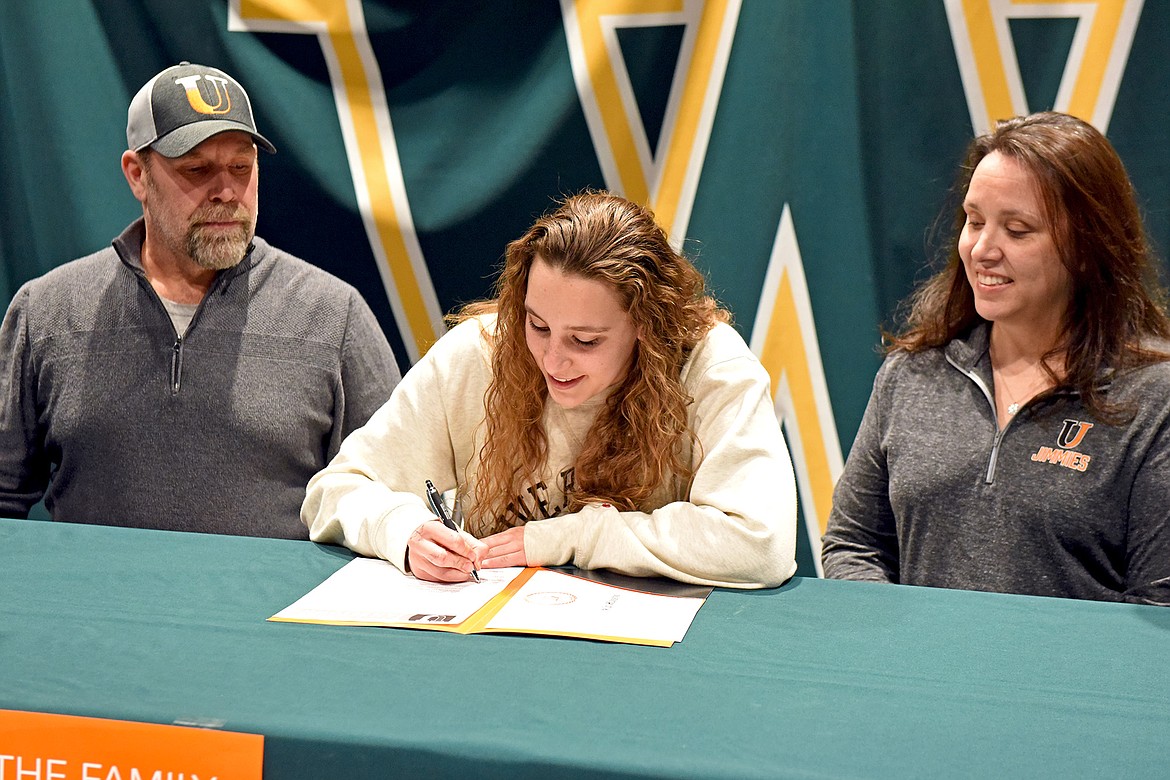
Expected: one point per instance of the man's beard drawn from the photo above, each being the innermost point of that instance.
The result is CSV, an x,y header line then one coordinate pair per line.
x,y
217,250
211,251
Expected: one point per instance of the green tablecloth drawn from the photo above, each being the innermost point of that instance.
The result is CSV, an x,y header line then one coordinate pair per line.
x,y
815,679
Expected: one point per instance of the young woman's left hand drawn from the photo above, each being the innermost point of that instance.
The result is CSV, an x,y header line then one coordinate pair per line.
x,y
504,549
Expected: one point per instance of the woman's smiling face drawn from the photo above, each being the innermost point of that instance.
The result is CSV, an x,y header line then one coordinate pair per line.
x,y
1009,251
579,333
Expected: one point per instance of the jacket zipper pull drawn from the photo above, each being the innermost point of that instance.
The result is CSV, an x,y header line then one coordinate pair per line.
x,y
177,365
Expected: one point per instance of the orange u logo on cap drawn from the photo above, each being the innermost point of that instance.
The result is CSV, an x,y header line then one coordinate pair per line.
x,y
195,97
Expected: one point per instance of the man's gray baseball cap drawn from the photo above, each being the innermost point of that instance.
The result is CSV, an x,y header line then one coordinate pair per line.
x,y
186,104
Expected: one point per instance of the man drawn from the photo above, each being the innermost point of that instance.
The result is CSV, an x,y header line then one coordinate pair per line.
x,y
191,376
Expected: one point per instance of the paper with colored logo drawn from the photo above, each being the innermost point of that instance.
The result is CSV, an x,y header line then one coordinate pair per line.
x,y
371,592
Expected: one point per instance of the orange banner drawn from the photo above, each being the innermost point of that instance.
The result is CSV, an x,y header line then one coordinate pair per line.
x,y
42,746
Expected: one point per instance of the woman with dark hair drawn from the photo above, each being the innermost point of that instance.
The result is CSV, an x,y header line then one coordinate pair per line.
x,y
1018,435
598,411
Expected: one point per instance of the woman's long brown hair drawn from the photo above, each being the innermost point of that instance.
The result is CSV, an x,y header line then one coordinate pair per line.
x,y
635,443
1117,309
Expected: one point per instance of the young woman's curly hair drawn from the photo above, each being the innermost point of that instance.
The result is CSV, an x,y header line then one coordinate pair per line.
x,y
634,444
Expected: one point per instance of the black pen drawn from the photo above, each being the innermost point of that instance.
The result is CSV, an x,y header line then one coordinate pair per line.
x,y
436,502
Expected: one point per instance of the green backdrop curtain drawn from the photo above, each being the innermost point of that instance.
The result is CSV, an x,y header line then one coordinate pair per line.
x,y
800,150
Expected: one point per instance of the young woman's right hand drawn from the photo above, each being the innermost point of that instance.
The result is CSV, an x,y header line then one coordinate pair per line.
x,y
438,554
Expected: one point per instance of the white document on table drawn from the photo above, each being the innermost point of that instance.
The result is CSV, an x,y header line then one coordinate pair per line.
x,y
373,592
553,602
370,591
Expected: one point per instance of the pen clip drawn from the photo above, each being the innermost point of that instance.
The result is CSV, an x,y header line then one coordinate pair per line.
x,y
436,502
456,525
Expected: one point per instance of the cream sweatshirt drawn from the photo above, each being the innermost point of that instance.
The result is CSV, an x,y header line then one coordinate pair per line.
x,y
735,527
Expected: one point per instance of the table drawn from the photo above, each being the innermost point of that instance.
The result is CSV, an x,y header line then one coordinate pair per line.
x,y
815,679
